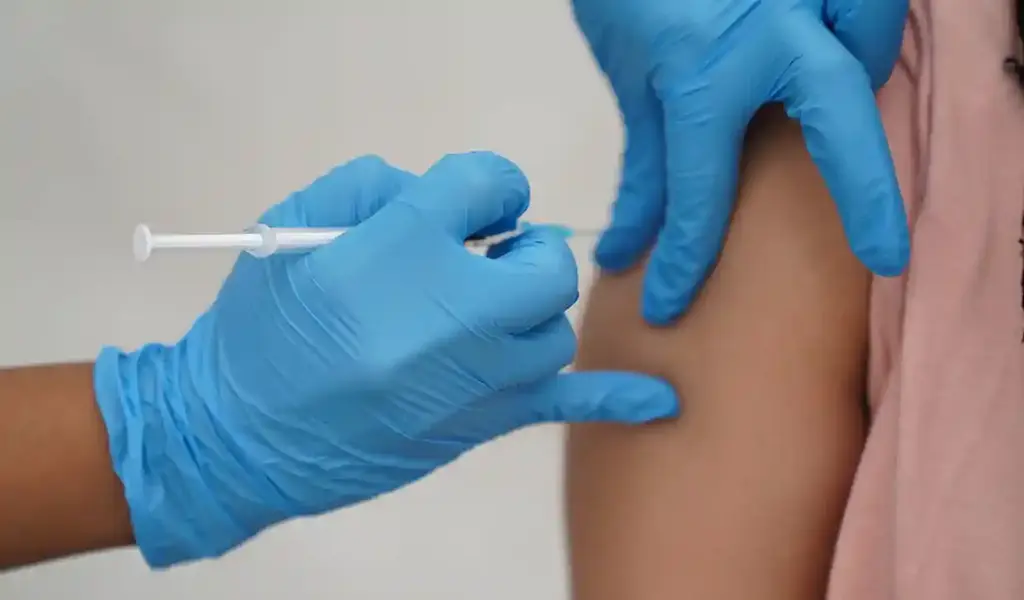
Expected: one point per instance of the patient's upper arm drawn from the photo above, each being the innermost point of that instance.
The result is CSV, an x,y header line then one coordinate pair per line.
x,y
742,496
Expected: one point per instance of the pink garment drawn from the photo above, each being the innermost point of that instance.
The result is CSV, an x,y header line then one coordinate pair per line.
x,y
937,508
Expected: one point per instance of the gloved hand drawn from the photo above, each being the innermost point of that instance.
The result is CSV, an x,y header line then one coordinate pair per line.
x,y
690,74
320,380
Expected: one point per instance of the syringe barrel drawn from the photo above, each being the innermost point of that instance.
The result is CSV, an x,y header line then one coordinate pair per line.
x,y
300,239
205,240
277,239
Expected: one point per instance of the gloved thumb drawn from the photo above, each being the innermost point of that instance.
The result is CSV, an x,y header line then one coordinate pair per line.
x,y
344,197
872,31
600,396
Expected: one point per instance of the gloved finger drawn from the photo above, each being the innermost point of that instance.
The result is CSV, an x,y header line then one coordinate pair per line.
x,y
531,279
872,31
639,210
703,139
538,353
464,194
828,91
598,396
344,197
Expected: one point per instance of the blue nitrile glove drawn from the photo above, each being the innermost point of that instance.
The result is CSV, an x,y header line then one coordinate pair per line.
x,y
690,74
320,380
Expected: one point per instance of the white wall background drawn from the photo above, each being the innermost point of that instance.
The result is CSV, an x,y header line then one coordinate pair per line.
x,y
197,114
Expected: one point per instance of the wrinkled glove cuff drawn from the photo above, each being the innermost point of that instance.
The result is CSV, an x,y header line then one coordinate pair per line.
x,y
175,515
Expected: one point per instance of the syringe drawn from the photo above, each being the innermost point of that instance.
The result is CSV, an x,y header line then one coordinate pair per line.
x,y
262,241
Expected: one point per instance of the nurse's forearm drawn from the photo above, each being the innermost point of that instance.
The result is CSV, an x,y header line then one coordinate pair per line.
x,y
59,494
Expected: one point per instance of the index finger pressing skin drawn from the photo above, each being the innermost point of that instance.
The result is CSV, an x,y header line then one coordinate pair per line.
x,y
703,138
830,94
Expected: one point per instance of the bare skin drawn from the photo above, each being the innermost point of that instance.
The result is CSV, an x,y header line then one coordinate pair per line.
x,y
741,498
60,493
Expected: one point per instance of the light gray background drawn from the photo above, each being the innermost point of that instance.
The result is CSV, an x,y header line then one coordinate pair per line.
x,y
196,115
